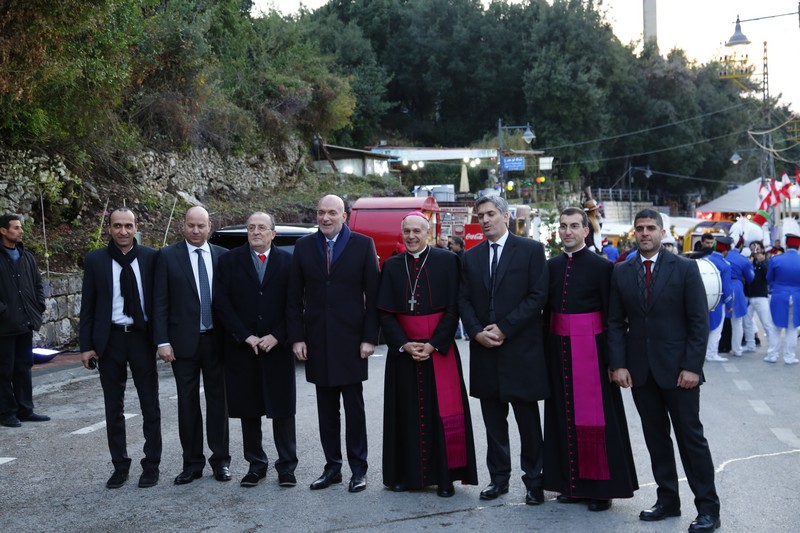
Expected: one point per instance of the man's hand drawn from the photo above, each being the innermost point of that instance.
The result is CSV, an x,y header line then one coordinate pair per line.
x,y
688,380
166,354
622,377
299,350
267,342
367,349
490,337
252,341
85,356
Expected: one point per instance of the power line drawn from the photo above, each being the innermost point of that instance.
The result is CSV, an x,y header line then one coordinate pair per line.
x,y
646,130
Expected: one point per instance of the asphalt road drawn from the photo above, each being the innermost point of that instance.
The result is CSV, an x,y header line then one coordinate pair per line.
x,y
52,475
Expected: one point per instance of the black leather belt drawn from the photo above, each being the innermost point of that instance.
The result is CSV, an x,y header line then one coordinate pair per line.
x,y
207,332
125,328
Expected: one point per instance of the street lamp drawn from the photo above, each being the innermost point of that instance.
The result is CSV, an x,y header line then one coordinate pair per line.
x,y
629,171
528,136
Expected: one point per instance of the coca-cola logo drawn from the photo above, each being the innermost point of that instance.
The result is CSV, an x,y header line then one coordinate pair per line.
x,y
473,237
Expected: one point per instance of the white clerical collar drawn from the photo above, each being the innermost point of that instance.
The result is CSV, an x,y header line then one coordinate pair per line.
x,y
570,254
418,254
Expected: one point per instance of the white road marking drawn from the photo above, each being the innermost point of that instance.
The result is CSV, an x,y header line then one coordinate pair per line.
x,y
761,407
742,384
99,425
4,460
730,368
786,436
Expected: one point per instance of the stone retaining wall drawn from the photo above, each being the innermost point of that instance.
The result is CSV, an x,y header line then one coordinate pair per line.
x,y
62,293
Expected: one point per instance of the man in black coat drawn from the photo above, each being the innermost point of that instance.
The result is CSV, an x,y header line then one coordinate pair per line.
x,y
503,291
333,327
116,302
657,335
21,308
184,332
250,291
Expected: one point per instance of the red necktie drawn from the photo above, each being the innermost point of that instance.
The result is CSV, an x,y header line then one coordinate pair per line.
x,y
262,257
648,275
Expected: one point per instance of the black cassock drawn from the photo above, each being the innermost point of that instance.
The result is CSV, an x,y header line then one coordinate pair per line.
x,y
579,286
414,447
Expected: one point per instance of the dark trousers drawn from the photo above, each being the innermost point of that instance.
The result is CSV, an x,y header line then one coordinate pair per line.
x,y
498,455
123,350
656,407
16,361
330,427
283,430
187,370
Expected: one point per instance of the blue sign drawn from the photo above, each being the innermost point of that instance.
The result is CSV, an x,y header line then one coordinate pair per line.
x,y
513,163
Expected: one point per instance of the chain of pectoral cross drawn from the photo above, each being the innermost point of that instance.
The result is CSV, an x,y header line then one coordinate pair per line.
x,y
413,301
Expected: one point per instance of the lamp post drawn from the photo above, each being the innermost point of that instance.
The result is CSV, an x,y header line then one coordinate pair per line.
x,y
528,136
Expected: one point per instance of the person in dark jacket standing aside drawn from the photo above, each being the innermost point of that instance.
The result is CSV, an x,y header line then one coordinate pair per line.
x,y
116,302
21,308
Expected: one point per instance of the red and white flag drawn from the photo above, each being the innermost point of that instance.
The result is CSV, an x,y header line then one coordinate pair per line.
x,y
785,186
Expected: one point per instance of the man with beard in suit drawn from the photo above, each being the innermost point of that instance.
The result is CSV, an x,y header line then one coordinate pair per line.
x,y
116,302
657,334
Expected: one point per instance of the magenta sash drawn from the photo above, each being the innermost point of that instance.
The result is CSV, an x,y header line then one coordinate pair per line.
x,y
448,388
586,390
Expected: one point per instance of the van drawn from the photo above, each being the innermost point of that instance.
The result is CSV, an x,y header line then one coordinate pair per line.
x,y
380,219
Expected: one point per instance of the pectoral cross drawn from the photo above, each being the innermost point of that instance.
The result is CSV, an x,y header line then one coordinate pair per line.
x,y
412,301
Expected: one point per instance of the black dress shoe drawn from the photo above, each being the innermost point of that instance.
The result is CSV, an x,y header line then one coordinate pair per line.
x,y
222,473
34,417
287,479
492,491
10,421
357,483
704,522
599,505
658,512
149,478
446,490
399,488
187,477
534,497
252,479
563,498
327,478
117,479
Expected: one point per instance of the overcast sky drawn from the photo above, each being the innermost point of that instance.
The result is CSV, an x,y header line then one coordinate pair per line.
x,y
700,27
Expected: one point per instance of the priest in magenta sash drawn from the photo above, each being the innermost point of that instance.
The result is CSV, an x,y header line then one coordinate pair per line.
x,y
587,450
427,431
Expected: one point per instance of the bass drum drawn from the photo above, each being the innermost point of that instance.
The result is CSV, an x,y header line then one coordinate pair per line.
x,y
711,280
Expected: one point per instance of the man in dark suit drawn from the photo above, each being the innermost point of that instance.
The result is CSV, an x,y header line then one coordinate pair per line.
x,y
333,327
116,302
250,298
183,328
503,291
657,333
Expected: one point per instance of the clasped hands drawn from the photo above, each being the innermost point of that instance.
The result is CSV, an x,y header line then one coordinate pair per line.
x,y
491,336
265,343
419,351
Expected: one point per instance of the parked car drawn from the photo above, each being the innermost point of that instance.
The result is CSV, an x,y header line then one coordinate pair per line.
x,y
285,235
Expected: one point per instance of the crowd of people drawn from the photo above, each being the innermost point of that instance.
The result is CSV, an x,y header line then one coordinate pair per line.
x,y
572,331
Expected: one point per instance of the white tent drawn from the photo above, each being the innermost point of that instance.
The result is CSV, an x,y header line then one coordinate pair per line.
x,y
741,200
